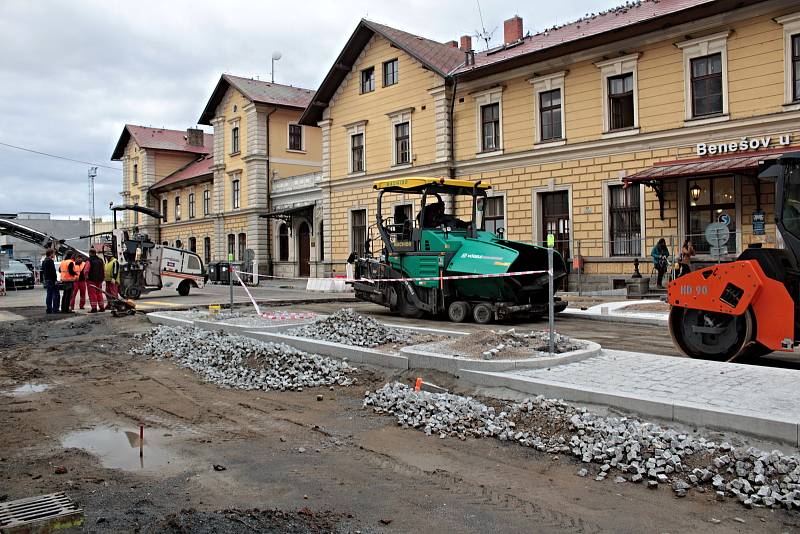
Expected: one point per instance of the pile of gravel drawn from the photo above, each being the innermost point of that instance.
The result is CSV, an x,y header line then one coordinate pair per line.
x,y
243,363
351,328
640,451
504,345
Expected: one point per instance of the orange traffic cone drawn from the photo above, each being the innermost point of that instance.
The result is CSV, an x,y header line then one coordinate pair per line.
x,y
418,384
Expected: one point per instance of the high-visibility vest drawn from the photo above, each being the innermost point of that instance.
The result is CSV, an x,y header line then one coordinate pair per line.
x,y
66,276
112,271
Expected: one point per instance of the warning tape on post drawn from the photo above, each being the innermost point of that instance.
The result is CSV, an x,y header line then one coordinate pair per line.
x,y
272,316
411,279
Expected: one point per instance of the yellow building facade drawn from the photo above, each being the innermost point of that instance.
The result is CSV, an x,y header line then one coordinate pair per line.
x,y
611,132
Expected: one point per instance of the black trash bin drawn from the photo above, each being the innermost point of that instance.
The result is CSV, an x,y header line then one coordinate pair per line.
x,y
213,272
223,272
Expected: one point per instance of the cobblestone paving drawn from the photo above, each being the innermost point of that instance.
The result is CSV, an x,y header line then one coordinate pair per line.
x,y
735,387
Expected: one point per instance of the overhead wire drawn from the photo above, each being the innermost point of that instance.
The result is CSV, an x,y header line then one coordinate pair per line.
x,y
59,157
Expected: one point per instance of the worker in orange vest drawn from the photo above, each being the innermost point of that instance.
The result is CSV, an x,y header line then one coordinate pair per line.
x,y
69,275
79,287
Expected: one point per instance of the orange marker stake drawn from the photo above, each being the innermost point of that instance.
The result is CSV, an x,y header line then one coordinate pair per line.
x,y
418,384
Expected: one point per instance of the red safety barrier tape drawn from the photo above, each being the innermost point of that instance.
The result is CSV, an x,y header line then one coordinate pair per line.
x,y
272,316
416,279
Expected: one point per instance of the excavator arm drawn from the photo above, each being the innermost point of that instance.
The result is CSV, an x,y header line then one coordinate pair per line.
x,y
37,237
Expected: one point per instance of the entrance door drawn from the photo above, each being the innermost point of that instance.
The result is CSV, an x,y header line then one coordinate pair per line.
x,y
303,250
555,220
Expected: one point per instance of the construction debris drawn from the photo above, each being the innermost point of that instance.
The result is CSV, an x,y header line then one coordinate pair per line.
x,y
348,327
243,363
635,448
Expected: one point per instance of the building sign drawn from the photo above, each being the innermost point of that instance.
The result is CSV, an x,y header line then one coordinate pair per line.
x,y
745,144
759,221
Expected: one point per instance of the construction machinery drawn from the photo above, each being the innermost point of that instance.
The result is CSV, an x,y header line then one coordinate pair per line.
x,y
439,264
144,265
749,307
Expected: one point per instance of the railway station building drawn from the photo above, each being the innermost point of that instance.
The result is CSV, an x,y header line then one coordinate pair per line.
x,y
643,122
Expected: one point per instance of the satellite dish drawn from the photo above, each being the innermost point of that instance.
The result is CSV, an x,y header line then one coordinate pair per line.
x,y
276,55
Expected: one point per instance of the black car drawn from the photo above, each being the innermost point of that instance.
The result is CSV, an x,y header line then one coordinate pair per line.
x,y
18,275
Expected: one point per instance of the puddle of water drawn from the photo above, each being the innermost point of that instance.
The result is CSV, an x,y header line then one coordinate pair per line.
x,y
28,389
119,449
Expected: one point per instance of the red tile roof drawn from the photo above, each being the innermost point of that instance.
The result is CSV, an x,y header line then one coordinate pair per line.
x,y
441,57
160,139
257,91
588,26
196,169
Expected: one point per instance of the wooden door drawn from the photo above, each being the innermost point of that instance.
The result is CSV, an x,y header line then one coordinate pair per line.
x,y
303,250
556,221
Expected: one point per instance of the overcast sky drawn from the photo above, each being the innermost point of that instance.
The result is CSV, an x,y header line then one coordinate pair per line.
x,y
73,73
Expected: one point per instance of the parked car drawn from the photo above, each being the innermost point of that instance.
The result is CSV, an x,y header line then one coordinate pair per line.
x,y
18,275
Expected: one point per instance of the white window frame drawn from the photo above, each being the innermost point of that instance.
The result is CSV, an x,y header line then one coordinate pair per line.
x,y
355,129
191,204
236,199
206,212
302,138
791,27
543,84
176,208
484,98
395,118
606,199
616,67
235,124
694,48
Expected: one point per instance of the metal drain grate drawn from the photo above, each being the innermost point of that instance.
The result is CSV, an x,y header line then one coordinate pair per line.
x,y
55,510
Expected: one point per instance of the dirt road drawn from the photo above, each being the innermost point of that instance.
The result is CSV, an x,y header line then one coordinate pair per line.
x,y
325,465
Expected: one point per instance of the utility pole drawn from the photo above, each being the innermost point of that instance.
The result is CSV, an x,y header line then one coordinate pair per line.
x,y
92,175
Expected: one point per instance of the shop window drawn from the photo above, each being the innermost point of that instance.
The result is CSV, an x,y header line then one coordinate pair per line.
x,y
231,245
490,127
625,219
368,80
242,245
206,201
295,137
283,242
620,101
390,72
357,152
321,241
711,200
193,244
235,188
402,145
550,115
358,231
207,249
493,214
191,205
177,209
707,85
164,209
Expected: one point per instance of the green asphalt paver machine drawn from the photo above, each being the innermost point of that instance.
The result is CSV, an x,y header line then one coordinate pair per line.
x,y
436,245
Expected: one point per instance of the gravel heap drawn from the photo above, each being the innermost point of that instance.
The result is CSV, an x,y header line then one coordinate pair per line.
x,y
243,363
640,451
351,328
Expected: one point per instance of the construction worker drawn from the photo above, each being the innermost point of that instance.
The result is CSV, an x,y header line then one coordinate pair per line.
x,y
112,274
95,274
50,280
68,277
79,287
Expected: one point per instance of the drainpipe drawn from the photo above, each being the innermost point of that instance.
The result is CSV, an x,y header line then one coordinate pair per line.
x,y
451,170
269,197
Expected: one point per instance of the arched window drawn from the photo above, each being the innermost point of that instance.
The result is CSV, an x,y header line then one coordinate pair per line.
x,y
321,241
207,249
178,243
283,242
242,245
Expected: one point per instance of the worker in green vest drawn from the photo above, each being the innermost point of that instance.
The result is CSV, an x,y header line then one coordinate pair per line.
x,y
112,274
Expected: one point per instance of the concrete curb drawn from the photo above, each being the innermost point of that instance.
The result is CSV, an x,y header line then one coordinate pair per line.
x,y
160,318
772,427
335,350
616,318
422,359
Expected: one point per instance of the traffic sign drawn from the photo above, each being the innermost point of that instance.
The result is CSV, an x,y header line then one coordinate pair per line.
x,y
717,234
725,219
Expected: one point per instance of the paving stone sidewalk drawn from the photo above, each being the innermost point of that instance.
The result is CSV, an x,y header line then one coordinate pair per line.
x,y
760,400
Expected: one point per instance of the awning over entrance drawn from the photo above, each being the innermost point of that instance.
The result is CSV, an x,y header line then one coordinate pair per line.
x,y
742,164
286,214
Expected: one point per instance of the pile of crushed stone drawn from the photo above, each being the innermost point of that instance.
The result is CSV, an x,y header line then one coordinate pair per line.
x,y
639,451
239,362
351,328
505,344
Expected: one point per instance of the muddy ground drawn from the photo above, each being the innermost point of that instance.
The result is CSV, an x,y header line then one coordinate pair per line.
x,y
358,471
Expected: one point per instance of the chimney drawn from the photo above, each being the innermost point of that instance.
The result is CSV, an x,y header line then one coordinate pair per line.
x,y
452,44
195,137
466,43
512,30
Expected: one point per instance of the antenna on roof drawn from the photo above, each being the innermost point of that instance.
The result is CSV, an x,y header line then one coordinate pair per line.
x,y
483,34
